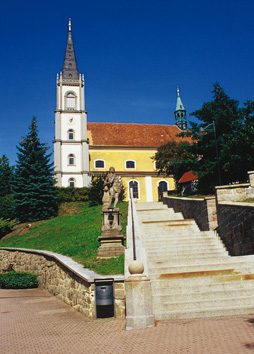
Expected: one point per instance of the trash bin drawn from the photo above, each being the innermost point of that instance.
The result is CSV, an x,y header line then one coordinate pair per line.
x,y
104,297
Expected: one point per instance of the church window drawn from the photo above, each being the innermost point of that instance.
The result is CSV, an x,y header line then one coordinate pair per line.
x,y
70,134
70,101
72,182
71,159
99,164
163,186
130,164
156,167
134,186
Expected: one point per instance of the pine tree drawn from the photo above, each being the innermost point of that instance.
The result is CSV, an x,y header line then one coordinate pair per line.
x,y
34,194
6,175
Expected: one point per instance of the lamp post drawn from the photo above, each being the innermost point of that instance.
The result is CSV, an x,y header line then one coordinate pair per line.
x,y
202,131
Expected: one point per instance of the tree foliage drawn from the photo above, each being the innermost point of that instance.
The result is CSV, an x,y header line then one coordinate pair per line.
x,y
6,176
34,194
234,128
173,158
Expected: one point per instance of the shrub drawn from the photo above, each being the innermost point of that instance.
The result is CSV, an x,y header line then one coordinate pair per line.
x,y
71,194
18,280
5,227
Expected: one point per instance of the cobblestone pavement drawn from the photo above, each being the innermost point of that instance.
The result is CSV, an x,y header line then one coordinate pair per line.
x,y
33,321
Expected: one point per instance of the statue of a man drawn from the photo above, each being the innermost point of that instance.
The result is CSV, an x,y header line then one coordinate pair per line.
x,y
112,188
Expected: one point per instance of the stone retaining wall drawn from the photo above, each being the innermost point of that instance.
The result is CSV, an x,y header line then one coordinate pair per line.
x,y
202,210
63,277
236,227
234,192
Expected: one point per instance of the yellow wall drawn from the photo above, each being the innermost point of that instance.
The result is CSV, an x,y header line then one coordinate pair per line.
x,y
144,163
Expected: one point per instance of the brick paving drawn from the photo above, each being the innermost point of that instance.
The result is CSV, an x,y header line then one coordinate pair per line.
x,y
33,321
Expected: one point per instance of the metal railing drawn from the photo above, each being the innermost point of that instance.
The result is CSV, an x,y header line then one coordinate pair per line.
x,y
133,226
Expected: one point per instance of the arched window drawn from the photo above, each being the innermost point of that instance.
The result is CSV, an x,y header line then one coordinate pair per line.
x,y
163,186
99,164
70,134
71,159
130,164
70,101
72,182
156,167
134,186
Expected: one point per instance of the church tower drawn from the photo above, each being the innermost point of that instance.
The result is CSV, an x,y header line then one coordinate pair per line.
x,y
71,157
180,113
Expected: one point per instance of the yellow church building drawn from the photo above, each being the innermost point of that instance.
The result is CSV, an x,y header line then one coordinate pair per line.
x,y
83,150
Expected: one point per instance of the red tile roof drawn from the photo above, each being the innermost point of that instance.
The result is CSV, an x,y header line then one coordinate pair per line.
x,y
187,177
126,134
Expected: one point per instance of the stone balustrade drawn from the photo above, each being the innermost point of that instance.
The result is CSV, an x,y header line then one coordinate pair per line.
x,y
63,277
202,210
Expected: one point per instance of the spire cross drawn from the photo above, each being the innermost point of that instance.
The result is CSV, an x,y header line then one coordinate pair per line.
x,y
69,24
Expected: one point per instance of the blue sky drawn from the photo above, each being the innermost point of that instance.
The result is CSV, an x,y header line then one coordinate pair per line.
x,y
133,53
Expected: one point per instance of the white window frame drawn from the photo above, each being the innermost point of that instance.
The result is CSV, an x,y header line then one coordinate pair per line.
x,y
163,180
68,134
70,101
71,180
74,160
99,168
130,168
134,180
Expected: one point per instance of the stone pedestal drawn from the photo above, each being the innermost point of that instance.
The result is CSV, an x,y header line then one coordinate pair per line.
x,y
139,313
111,239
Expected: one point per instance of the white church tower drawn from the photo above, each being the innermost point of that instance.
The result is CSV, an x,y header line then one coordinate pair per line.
x,y
71,157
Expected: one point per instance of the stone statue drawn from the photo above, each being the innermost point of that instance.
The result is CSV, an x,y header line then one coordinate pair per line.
x,y
112,188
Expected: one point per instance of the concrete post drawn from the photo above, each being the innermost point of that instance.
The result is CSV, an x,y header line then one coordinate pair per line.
x,y
251,178
139,309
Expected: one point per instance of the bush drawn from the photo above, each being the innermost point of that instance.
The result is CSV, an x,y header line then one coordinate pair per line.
x,y
5,227
18,280
71,194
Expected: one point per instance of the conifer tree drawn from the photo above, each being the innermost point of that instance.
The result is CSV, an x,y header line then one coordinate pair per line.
x,y
34,194
6,175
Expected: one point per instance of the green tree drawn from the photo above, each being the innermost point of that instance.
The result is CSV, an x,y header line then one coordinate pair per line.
x,y
234,133
6,176
174,159
34,194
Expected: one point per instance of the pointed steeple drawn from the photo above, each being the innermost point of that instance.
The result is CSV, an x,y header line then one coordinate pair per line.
x,y
179,104
180,113
70,68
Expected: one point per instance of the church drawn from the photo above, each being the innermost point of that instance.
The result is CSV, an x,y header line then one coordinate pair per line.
x,y
83,150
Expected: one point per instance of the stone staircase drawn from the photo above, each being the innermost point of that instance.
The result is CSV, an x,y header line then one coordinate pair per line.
x,y
192,275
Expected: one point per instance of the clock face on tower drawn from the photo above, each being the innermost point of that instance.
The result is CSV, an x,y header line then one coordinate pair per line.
x,y
71,120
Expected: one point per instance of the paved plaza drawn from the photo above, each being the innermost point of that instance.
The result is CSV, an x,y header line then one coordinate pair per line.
x,y
33,321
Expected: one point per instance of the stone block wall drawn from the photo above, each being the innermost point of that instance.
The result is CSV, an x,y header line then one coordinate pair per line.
x,y
202,210
62,277
234,192
236,227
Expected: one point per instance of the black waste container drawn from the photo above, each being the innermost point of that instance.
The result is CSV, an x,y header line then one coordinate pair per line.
x,y
104,297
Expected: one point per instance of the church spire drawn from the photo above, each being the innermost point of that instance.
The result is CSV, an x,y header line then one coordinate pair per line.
x,y
180,113
70,69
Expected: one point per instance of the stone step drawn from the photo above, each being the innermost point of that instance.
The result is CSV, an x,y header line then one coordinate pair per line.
x,y
185,289
204,278
150,205
194,268
182,247
208,295
167,254
204,304
182,261
204,313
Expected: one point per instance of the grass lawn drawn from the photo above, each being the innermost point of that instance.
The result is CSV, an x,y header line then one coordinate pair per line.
x,y
73,233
